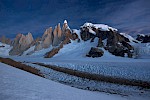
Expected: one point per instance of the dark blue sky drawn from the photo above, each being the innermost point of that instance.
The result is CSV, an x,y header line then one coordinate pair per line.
x,y
22,16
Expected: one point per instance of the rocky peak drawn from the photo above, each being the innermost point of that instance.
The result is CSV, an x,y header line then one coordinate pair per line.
x,y
16,40
116,43
101,27
29,37
108,38
22,39
60,40
47,38
59,30
143,38
65,26
18,35
65,21
21,43
5,40
26,39
55,34
47,32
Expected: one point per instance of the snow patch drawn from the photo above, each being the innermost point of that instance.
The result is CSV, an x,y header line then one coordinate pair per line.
x,y
4,51
31,49
91,31
131,39
78,33
65,21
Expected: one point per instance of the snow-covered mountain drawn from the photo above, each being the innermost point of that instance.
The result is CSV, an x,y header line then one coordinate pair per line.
x,y
91,40
93,48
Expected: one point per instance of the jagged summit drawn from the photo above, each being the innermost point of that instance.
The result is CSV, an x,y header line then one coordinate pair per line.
x,y
102,27
143,38
65,25
65,21
21,43
109,39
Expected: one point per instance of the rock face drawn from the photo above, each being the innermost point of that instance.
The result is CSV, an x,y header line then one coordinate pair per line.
x,y
5,40
55,38
21,43
57,35
47,38
95,52
52,52
60,39
45,41
143,38
115,43
38,46
108,38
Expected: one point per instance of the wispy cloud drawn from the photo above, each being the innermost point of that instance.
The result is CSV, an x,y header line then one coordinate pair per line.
x,y
37,15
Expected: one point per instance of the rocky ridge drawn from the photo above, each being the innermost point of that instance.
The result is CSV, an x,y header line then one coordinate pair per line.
x,y
21,43
143,38
109,39
118,44
5,40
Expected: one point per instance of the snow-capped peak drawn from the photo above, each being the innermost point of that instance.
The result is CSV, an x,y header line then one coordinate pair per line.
x,y
65,21
102,27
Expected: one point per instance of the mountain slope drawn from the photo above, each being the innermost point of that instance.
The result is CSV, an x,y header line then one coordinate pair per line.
x,y
4,49
93,40
17,84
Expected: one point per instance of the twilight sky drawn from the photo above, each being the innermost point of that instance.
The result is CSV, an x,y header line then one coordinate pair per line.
x,y
22,16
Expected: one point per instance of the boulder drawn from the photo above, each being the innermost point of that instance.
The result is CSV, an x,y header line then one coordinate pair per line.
x,y
95,52
74,36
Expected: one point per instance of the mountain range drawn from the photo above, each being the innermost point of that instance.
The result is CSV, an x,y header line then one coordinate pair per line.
x,y
105,37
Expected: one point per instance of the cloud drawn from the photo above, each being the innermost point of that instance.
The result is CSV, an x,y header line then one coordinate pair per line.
x,y
37,15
